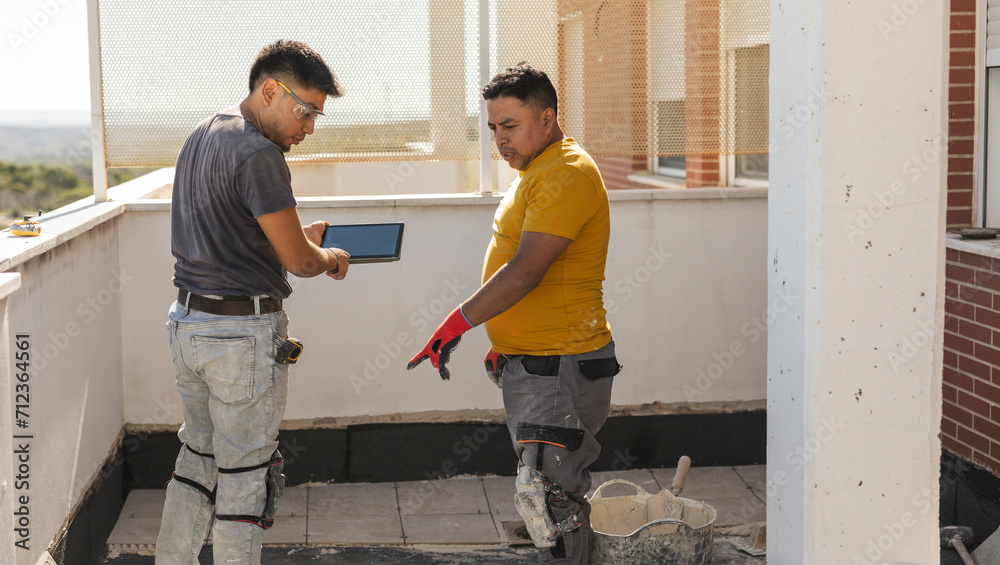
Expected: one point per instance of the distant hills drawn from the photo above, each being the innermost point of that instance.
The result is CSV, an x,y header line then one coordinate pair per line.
x,y
66,146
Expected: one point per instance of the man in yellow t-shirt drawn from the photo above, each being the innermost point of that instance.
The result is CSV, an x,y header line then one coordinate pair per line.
x,y
543,307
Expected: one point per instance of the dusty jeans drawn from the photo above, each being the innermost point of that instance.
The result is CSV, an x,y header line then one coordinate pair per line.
x,y
234,396
567,399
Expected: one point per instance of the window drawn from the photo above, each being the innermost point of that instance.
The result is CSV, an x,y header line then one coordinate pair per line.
x,y
669,160
708,90
750,113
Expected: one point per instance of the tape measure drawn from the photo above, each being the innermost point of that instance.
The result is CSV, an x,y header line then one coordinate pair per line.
x,y
26,227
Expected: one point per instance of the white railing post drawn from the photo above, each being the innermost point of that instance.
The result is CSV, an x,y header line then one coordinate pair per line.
x,y
485,139
96,103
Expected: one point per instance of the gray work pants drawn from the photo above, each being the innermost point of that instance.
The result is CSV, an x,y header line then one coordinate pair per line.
x,y
567,400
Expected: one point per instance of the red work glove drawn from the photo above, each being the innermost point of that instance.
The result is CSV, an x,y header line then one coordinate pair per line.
x,y
494,366
444,339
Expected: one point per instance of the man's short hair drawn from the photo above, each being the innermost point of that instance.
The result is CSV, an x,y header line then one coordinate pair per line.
x,y
530,86
295,62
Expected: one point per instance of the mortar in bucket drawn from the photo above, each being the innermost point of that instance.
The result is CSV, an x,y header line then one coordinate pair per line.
x,y
649,528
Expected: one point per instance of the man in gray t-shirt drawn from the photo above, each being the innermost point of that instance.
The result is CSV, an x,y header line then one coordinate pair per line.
x,y
235,233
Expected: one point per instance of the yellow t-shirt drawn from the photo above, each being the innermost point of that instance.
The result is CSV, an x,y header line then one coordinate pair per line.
x,y
561,193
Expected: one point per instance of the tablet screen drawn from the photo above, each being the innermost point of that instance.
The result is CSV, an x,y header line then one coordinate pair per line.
x,y
367,243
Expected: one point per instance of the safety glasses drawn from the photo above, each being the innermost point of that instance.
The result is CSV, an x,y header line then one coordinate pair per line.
x,y
301,111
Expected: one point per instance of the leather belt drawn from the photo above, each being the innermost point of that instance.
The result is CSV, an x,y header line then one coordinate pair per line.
x,y
228,306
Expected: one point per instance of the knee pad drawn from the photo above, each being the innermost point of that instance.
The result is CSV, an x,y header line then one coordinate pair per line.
x,y
531,499
274,481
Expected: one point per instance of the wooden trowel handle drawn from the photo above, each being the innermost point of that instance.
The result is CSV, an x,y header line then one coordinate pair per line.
x,y
683,464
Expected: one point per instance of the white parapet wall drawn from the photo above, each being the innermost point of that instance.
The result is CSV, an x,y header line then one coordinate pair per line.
x,y
14,507
67,318
685,290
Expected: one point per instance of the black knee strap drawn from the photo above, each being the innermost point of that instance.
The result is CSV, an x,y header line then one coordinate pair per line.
x,y
275,483
198,453
210,494
269,463
265,523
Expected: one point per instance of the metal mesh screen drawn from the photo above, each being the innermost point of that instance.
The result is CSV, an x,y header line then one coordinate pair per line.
x,y
167,65
634,77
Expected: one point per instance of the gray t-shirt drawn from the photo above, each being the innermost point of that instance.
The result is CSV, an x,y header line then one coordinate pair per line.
x,y
227,175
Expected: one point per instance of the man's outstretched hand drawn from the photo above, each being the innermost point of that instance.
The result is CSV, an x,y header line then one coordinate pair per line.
x,y
444,339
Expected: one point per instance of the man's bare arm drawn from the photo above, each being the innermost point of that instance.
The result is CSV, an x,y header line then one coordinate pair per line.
x,y
297,253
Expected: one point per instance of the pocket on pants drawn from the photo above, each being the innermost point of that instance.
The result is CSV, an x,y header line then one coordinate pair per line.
x,y
542,366
594,369
226,365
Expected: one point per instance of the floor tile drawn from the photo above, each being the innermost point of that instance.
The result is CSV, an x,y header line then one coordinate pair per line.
x,y
451,496
292,502
756,477
739,510
135,531
641,477
500,494
453,511
499,519
451,528
355,530
706,482
287,530
144,503
353,499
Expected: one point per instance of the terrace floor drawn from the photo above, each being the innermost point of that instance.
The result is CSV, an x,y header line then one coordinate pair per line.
x,y
452,521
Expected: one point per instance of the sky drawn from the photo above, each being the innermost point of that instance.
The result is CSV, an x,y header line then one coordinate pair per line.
x,y
45,49
45,45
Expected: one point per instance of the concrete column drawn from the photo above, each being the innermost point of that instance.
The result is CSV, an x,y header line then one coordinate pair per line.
x,y
855,277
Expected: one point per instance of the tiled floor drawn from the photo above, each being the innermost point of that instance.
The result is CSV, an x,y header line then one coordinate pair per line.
x,y
457,511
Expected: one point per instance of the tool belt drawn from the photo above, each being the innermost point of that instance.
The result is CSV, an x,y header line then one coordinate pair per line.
x,y
228,305
592,369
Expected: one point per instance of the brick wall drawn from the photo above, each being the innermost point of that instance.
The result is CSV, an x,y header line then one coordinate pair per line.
x,y
702,92
615,81
962,114
615,171
970,426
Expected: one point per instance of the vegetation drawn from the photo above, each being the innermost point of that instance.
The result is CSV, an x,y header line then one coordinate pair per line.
x,y
27,188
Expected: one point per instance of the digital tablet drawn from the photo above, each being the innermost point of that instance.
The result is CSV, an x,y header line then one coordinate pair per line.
x,y
367,243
